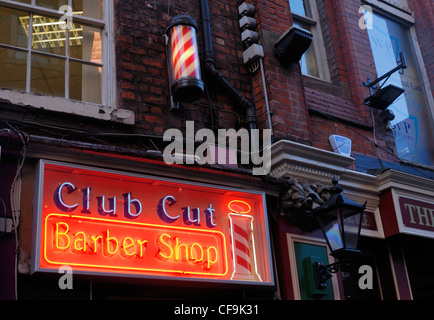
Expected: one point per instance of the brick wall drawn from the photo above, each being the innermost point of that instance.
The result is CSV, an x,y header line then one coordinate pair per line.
x,y
310,110
424,15
289,115
142,70
303,109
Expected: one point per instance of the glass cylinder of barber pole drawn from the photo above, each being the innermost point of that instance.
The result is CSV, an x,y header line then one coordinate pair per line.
x,y
243,245
183,59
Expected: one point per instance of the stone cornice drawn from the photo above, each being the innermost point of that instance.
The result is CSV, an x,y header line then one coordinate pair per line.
x,y
405,181
297,161
305,163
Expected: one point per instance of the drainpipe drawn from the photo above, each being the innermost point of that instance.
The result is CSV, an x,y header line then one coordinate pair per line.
x,y
214,75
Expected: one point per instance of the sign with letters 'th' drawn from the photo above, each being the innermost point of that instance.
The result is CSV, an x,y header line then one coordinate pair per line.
x,y
112,223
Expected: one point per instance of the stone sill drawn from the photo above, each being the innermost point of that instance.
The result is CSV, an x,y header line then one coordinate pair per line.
x,y
68,106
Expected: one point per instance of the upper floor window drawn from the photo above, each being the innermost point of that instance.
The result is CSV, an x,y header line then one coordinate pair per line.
x,y
414,122
305,16
40,53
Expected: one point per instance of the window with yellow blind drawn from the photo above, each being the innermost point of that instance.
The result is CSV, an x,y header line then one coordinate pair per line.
x,y
56,48
314,61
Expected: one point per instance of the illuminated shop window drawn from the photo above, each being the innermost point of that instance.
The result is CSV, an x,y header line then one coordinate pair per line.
x,y
305,16
413,124
41,53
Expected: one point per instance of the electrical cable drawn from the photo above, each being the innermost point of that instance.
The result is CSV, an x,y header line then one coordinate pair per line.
x,y
15,197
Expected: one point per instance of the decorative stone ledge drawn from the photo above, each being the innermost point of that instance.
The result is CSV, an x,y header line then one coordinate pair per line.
x,y
301,162
312,171
67,106
405,181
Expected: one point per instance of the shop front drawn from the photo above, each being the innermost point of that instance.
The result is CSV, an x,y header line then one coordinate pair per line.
x,y
116,224
130,228
300,240
407,209
397,229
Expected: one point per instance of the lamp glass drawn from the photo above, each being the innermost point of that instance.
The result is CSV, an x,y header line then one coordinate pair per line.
x,y
330,223
340,222
351,226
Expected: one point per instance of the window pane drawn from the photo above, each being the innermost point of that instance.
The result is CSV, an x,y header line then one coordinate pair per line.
x,y
85,82
297,6
14,26
413,123
48,75
85,43
90,8
24,1
308,61
52,4
48,36
13,69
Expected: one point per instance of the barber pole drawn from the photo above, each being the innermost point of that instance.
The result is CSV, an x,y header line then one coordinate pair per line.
x,y
183,59
243,243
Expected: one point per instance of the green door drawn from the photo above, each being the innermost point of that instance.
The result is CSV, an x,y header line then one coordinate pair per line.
x,y
306,255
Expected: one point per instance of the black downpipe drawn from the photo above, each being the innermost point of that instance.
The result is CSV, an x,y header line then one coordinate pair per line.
x,y
214,75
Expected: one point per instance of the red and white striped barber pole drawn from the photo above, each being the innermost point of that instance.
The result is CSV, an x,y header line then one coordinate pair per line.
x,y
243,243
183,59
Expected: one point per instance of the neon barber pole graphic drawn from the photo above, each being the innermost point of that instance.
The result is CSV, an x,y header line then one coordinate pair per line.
x,y
243,242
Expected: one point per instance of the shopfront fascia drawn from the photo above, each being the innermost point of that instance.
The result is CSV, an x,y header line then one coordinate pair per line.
x,y
407,211
132,218
407,204
312,169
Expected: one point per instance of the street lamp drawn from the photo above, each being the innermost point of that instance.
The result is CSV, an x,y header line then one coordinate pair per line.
x,y
340,221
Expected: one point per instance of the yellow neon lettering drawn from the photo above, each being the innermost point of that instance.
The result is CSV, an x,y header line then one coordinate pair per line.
x,y
58,233
200,249
178,250
169,247
95,240
208,254
142,244
111,240
82,240
126,246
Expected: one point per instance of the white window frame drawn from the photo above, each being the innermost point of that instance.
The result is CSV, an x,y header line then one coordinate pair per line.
x,y
317,41
108,83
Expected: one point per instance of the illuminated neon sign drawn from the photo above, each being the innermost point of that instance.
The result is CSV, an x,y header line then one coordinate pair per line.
x,y
118,224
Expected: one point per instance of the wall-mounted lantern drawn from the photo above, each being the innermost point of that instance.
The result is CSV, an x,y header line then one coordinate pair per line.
x,y
292,44
340,220
384,97
185,80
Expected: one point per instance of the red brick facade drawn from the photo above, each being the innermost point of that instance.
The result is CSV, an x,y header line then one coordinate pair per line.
x,y
303,109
